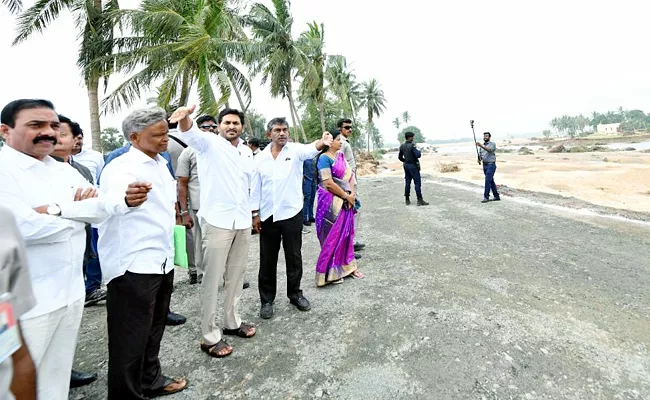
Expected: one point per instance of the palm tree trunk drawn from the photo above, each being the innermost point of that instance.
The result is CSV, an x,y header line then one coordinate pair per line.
x,y
321,111
185,89
369,128
247,126
295,124
93,102
292,104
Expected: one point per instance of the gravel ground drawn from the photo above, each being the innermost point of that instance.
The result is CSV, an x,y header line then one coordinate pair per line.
x,y
518,299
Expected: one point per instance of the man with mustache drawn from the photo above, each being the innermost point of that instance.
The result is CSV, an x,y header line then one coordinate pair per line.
x,y
137,253
52,204
225,166
277,201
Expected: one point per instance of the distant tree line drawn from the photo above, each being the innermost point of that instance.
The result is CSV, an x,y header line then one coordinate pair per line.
x,y
630,120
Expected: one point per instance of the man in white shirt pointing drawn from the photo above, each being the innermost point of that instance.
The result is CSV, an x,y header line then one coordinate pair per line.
x,y
277,193
137,257
225,166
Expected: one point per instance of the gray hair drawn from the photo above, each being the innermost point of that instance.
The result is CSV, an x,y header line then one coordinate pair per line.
x,y
276,121
138,120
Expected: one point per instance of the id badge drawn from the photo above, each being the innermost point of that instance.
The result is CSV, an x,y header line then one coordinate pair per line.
x,y
9,337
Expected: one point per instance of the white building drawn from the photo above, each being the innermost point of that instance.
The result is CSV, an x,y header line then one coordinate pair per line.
x,y
608,129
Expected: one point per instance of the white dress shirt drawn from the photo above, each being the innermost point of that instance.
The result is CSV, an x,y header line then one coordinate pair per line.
x,y
277,183
91,159
138,239
225,175
55,245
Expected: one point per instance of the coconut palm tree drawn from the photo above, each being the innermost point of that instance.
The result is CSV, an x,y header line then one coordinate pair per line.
x,y
342,83
397,123
372,97
276,56
312,67
96,33
177,44
406,117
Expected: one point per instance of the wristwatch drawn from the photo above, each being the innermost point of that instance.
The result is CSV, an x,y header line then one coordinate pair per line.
x,y
256,214
183,212
54,209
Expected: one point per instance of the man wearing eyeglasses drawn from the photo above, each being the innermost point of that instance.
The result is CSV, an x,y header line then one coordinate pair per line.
x,y
345,126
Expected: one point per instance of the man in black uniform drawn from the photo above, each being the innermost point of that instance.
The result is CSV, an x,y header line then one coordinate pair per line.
x,y
409,155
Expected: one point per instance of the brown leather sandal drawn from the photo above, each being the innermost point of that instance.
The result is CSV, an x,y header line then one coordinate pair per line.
x,y
166,389
213,349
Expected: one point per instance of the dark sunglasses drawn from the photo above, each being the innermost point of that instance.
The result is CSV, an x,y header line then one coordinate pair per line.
x,y
347,127
209,126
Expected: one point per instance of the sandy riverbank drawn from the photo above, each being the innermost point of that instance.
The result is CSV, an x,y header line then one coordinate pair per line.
x,y
619,179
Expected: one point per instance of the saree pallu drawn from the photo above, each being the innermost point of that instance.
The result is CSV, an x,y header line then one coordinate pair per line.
x,y
335,226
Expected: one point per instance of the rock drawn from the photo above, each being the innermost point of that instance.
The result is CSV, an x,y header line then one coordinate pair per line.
x,y
630,149
318,393
525,151
558,149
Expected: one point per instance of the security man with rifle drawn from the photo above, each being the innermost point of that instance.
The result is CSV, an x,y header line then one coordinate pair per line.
x,y
409,155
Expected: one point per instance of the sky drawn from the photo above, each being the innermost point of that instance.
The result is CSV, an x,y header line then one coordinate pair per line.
x,y
510,65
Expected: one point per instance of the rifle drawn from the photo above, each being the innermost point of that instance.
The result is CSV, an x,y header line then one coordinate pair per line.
x,y
478,156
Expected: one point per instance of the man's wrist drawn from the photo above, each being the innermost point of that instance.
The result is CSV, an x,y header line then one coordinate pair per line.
x,y
183,212
255,213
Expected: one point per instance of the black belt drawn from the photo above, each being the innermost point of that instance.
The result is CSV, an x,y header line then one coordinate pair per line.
x,y
489,162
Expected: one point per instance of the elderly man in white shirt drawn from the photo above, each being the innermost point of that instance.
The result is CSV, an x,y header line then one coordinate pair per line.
x,y
225,166
51,202
276,192
137,253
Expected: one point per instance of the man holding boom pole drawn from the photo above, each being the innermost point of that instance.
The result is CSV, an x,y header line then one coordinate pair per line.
x,y
489,158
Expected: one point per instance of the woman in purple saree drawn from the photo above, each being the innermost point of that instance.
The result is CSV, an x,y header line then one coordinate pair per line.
x,y
335,217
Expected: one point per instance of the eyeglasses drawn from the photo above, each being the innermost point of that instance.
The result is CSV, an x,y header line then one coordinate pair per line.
x,y
348,128
209,126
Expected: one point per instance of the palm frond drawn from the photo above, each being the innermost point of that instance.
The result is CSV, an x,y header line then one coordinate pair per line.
x,y
38,17
14,6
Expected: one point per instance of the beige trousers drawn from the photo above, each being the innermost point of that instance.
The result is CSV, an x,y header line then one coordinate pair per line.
x,y
197,242
52,340
225,255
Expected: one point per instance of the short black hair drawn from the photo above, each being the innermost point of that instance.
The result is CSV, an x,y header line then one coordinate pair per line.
x,y
203,118
230,111
74,127
342,121
11,110
487,133
254,142
408,135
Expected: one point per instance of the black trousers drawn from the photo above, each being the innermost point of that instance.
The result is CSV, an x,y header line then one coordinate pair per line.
x,y
137,306
288,233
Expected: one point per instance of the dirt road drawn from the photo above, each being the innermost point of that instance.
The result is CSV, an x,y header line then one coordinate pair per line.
x,y
506,300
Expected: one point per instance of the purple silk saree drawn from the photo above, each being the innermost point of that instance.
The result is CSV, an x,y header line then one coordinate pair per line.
x,y
334,223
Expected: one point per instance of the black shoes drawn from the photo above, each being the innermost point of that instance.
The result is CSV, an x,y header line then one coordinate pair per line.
x,y
78,379
174,319
95,297
301,303
246,285
266,312
359,246
408,201
306,223
421,202
488,200
194,279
